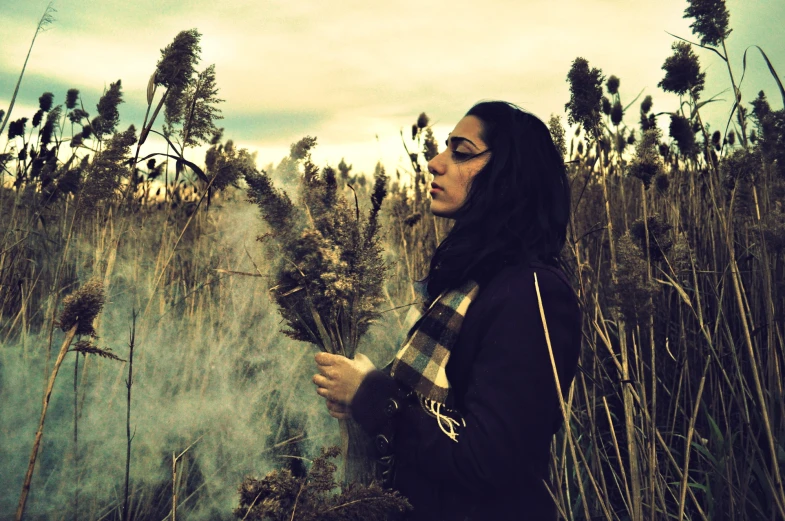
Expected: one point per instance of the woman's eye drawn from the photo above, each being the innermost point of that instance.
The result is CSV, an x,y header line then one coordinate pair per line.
x,y
460,156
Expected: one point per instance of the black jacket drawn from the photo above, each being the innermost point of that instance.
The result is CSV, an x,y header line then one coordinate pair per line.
x,y
502,378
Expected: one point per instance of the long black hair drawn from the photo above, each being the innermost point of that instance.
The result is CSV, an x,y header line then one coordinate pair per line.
x,y
518,205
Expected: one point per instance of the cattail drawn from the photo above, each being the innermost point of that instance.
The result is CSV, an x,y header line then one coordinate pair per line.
x,y
731,138
81,307
414,131
682,71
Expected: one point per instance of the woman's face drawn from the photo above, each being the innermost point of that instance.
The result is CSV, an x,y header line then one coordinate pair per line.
x,y
455,167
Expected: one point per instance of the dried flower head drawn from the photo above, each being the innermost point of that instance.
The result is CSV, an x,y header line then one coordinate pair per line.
x,y
662,182
716,140
617,113
742,165
87,347
585,96
17,128
557,134
660,242
681,131
430,148
81,307
45,101
52,124
108,115
612,85
711,20
279,495
682,71
412,219
71,97
631,293
422,120
647,162
37,118
606,106
178,59
646,104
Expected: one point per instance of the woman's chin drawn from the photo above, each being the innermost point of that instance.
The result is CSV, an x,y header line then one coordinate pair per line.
x,y
439,211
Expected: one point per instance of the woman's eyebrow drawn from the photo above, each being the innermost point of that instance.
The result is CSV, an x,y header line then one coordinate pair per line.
x,y
457,140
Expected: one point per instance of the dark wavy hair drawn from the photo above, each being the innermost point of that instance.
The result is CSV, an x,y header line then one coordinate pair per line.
x,y
518,205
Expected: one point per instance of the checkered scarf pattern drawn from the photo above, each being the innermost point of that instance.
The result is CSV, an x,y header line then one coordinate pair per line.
x,y
421,362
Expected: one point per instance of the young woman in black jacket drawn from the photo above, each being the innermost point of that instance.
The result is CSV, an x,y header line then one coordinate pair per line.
x,y
470,439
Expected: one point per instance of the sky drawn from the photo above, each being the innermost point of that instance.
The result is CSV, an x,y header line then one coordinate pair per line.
x,y
356,73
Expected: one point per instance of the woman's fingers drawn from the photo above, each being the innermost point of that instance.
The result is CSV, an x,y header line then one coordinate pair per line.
x,y
338,410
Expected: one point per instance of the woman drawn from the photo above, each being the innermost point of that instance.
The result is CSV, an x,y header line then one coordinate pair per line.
x,y
470,439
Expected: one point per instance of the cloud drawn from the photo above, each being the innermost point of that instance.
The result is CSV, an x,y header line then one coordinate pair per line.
x,y
349,70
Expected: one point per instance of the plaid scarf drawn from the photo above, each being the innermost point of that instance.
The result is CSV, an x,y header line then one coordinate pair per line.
x,y
421,362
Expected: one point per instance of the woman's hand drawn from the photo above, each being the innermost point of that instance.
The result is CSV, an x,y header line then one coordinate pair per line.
x,y
338,380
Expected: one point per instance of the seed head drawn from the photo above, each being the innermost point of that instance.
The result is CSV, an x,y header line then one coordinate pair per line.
x,y
45,101
107,109
711,20
585,96
646,105
557,134
606,106
16,128
647,163
37,117
682,71
716,137
613,85
422,120
81,307
662,182
681,132
617,113
71,97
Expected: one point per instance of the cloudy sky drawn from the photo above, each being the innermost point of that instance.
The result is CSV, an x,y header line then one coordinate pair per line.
x,y
354,73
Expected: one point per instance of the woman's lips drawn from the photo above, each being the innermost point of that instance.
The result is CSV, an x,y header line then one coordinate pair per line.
x,y
436,188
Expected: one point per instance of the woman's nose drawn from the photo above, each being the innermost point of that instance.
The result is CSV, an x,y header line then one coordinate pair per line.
x,y
436,165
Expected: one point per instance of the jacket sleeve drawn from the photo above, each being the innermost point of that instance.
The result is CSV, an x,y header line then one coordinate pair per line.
x,y
511,403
